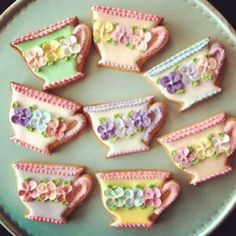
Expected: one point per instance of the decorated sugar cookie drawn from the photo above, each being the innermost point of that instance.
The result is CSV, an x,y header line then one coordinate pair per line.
x,y
190,76
56,53
136,198
134,36
203,150
51,192
42,122
128,126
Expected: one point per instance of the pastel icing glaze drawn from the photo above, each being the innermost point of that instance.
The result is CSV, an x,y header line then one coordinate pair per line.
x,y
56,107
210,147
197,70
53,211
143,216
135,141
154,37
61,66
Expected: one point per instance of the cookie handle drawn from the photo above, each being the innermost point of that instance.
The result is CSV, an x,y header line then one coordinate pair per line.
x,y
218,52
83,186
160,37
79,122
170,190
156,111
230,129
83,35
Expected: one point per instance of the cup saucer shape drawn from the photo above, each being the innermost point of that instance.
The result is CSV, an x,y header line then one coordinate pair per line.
x,y
190,76
56,53
203,150
51,192
134,36
41,121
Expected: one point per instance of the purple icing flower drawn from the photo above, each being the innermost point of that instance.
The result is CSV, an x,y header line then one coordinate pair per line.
x,y
106,130
141,119
190,73
184,157
172,82
122,34
21,116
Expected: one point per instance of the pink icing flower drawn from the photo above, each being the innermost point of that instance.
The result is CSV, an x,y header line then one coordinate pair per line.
x,y
47,191
207,65
65,194
152,197
184,157
122,34
28,191
140,39
56,128
35,57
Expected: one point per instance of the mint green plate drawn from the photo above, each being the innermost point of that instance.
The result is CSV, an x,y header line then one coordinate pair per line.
x,y
198,210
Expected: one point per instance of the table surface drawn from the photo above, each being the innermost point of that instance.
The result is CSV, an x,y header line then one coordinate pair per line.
x,y
226,7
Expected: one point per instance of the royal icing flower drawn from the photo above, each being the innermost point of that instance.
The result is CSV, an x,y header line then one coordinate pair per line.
x,y
140,39
124,126
102,30
207,65
40,120
35,57
114,197
70,46
106,130
134,197
56,128
173,82
221,144
152,197
21,116
204,149
141,119
28,191
65,193
53,51
47,191
190,73
184,157
122,34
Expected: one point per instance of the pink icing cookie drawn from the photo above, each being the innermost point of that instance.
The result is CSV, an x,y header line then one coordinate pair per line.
x,y
50,192
190,76
134,36
136,198
41,121
128,126
56,53
203,150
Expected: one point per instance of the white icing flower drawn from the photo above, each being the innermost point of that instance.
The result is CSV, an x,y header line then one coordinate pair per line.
x,y
124,126
70,46
140,39
35,57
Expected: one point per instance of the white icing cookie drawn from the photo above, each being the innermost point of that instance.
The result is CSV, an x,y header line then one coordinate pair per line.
x,y
128,126
203,150
56,53
41,121
134,36
190,76
51,192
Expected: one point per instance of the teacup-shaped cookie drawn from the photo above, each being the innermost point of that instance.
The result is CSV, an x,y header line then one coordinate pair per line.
x,y
126,126
127,39
136,198
51,191
190,76
42,121
56,53
203,150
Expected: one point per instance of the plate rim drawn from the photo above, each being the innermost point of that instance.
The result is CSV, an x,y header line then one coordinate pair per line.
x,y
17,230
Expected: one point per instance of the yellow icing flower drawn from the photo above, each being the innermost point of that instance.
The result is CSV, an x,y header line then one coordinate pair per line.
x,y
204,149
102,30
52,51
